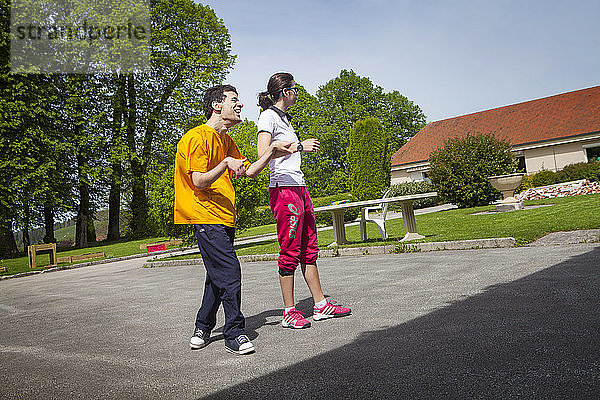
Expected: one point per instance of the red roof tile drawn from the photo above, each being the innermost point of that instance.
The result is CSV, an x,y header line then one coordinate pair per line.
x,y
559,116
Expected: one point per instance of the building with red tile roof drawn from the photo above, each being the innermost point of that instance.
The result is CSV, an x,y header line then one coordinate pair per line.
x,y
548,133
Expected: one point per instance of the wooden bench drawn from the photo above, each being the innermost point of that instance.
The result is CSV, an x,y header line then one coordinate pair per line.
x,y
34,249
408,215
80,257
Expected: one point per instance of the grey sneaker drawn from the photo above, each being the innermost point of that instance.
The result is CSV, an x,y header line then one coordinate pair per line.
x,y
199,339
239,345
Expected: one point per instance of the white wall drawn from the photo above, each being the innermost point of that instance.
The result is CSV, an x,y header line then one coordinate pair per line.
x,y
555,157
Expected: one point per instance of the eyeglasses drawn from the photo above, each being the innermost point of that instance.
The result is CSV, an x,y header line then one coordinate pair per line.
x,y
294,88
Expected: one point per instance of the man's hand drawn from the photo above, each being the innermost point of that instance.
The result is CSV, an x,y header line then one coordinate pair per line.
x,y
311,145
236,165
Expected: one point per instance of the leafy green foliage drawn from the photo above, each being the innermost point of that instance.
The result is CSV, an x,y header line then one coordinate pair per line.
x,y
459,170
369,159
408,188
325,218
249,192
161,199
190,51
262,216
543,178
574,172
350,97
66,138
329,117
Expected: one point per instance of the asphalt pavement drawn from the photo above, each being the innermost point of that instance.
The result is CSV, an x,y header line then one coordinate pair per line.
x,y
487,323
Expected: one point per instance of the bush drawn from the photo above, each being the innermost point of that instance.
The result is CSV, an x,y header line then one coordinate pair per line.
x,y
263,216
575,172
543,178
408,188
526,183
369,159
161,200
324,218
572,172
460,169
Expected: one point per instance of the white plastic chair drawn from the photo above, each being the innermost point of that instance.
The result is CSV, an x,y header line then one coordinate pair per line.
x,y
378,218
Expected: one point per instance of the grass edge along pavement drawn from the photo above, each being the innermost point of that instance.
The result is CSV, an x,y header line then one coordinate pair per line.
x,y
115,251
460,225
565,214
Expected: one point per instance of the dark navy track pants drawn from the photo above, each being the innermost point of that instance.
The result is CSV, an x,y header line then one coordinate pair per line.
x,y
223,279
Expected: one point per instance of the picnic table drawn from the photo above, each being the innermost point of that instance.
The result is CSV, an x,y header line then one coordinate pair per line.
x,y
408,215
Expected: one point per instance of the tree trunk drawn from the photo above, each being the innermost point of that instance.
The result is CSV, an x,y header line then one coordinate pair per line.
x,y
26,224
114,211
91,229
81,228
8,245
139,203
114,197
49,224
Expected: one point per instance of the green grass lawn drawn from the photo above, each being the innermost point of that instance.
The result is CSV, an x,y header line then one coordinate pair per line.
x,y
563,214
256,231
111,250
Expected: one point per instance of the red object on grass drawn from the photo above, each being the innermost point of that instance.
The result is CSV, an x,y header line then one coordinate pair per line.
x,y
155,247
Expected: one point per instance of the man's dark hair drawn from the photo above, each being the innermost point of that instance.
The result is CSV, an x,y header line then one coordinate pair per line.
x,y
215,93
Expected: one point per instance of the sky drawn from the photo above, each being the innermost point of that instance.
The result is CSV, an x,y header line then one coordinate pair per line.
x,y
450,57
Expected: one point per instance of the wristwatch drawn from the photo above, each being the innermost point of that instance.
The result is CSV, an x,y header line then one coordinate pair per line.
x,y
299,148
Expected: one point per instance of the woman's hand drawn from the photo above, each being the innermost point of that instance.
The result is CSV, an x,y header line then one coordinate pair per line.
x,y
310,145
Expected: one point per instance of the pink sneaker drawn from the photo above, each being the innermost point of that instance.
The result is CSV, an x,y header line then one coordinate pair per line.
x,y
330,310
294,319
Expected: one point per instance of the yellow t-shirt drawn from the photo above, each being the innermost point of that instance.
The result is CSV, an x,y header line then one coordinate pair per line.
x,y
202,149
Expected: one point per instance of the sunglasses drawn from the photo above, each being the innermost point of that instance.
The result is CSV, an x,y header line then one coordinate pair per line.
x,y
294,88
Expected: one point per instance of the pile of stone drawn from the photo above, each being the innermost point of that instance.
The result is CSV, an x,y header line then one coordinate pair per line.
x,y
573,188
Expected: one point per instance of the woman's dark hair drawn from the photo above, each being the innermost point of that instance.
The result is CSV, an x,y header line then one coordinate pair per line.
x,y
277,83
215,93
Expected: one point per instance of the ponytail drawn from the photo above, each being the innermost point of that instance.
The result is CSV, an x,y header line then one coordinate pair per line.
x,y
264,100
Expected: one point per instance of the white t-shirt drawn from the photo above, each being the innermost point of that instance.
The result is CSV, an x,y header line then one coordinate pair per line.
x,y
284,171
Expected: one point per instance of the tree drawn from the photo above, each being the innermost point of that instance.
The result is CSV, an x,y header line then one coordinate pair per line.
x,y
459,169
249,192
79,120
190,51
117,156
161,198
369,158
323,172
330,115
350,97
30,149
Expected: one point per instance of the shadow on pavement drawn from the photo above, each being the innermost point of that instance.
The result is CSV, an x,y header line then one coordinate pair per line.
x,y
255,322
536,337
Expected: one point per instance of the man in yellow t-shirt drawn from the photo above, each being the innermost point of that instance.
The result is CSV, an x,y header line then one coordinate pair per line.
x,y
206,161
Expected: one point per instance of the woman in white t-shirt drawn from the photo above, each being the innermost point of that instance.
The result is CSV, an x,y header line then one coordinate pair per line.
x,y
291,203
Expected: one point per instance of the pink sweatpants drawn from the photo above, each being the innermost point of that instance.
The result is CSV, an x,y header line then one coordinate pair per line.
x,y
296,226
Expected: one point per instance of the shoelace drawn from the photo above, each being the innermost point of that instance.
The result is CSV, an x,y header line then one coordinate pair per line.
x,y
199,332
242,339
296,314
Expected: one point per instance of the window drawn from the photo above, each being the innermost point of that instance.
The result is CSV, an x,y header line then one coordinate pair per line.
x,y
593,154
521,167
